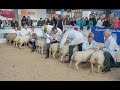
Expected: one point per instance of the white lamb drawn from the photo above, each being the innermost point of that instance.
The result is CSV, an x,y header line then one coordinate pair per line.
x,y
40,46
23,40
81,56
10,37
54,49
64,51
98,59
16,41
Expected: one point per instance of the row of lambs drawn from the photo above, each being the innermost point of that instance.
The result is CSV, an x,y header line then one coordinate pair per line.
x,y
92,56
95,57
17,39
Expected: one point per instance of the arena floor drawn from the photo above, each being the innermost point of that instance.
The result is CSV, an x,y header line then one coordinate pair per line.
x,y
22,65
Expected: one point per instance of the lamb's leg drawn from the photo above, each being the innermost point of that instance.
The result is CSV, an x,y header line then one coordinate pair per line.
x,y
92,69
20,46
62,58
98,68
76,64
36,49
9,42
70,63
53,54
14,44
42,50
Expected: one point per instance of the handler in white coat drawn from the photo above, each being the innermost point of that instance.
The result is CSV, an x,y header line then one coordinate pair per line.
x,y
25,31
90,43
110,48
75,38
48,34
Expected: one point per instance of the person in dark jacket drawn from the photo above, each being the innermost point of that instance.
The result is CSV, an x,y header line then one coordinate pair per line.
x,y
14,23
29,21
106,23
40,22
0,23
87,21
72,22
94,21
51,21
60,24
23,21
55,21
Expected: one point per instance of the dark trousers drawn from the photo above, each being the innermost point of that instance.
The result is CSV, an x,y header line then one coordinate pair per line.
x,y
48,46
71,47
33,45
109,61
47,51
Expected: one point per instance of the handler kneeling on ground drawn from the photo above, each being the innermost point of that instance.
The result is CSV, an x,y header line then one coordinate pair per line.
x,y
75,38
110,51
90,43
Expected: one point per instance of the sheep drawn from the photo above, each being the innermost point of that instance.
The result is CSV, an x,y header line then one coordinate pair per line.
x,y
16,40
65,49
23,40
98,59
40,46
81,56
10,37
54,49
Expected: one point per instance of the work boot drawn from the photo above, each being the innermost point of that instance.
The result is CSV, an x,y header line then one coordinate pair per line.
x,y
106,70
33,50
67,61
47,54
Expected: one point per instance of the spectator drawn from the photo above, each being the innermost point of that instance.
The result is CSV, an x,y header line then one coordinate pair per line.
x,y
94,21
74,21
55,21
0,23
78,22
40,22
81,24
23,21
90,24
60,24
14,23
67,21
100,22
116,22
106,23
29,21
86,19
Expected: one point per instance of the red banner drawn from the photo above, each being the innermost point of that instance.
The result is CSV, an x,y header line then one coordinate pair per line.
x,y
8,14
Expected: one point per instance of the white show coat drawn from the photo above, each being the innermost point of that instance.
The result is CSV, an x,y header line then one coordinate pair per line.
x,y
24,32
110,46
18,33
74,37
48,34
87,46
57,36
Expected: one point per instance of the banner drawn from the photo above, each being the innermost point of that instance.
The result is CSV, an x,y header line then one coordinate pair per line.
x,y
6,13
